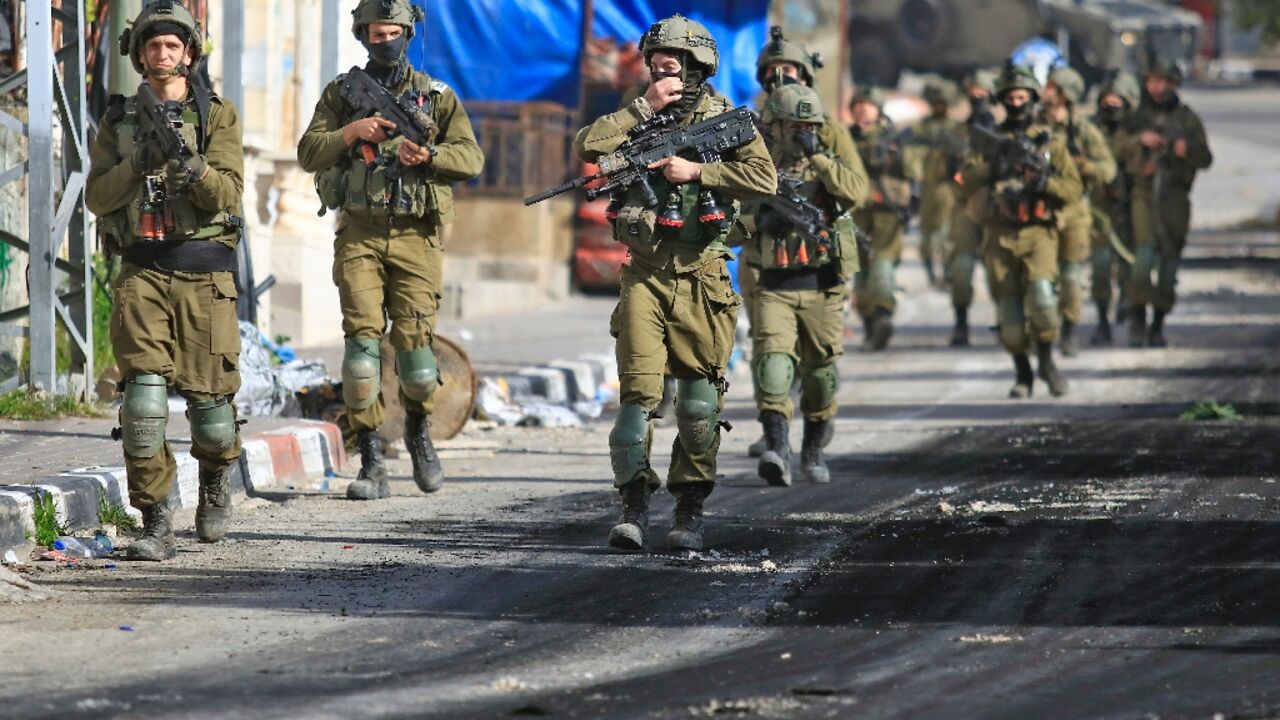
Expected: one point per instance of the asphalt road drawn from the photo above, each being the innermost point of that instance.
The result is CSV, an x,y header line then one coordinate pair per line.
x,y
975,557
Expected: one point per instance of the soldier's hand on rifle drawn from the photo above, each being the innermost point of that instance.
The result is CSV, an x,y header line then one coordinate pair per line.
x,y
678,170
146,157
180,174
1151,139
1180,148
371,130
664,92
413,154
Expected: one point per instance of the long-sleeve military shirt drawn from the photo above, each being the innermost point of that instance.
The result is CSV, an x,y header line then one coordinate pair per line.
x,y
114,181
1174,121
1064,185
1088,146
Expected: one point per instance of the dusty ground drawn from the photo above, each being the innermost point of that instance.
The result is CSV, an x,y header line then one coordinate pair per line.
x,y
1087,557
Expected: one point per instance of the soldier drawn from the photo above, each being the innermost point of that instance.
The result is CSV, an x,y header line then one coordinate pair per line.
x,y
883,216
1174,150
388,254
1088,147
965,236
170,209
1023,181
677,309
780,62
1112,228
799,325
935,153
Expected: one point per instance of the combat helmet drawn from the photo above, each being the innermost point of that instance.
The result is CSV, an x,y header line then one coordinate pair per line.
x,y
1015,77
1167,67
939,90
680,34
780,49
163,17
1070,82
1123,84
795,103
984,78
870,94
396,12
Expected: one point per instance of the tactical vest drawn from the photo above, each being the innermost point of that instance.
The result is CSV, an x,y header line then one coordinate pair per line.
x,y
1014,202
790,250
637,225
359,185
183,220
889,190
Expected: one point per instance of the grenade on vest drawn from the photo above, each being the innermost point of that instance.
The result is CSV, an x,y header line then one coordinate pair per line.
x,y
157,216
672,217
709,211
780,252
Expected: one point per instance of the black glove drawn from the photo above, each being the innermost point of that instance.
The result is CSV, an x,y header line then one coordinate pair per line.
x,y
146,158
181,174
808,142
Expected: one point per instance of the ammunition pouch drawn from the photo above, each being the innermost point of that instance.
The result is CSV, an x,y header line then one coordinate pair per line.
x,y
1013,203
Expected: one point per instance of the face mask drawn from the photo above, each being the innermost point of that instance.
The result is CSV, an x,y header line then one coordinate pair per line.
x,y
980,104
1017,114
858,132
693,80
386,53
1110,114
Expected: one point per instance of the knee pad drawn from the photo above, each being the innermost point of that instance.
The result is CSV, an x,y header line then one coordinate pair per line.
x,y
1072,275
1013,324
1144,260
1042,303
419,376
213,424
697,413
774,373
880,279
361,372
629,443
960,275
818,387
144,414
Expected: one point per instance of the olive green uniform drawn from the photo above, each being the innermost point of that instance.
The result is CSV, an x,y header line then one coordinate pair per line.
x,y
1160,224
388,255
180,326
1088,146
677,310
934,155
1021,252
882,217
1110,203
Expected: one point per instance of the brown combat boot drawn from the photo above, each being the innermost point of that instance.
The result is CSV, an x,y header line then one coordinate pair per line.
x,y
157,541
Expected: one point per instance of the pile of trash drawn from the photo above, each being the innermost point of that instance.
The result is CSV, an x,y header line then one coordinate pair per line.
x,y
271,375
556,394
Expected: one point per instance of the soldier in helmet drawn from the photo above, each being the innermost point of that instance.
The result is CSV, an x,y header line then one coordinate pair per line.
x,y
388,255
1174,150
883,216
799,328
1022,182
677,310
172,213
1088,147
782,62
935,153
964,237
1112,227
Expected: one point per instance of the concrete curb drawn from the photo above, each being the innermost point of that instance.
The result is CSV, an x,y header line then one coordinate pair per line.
x,y
271,459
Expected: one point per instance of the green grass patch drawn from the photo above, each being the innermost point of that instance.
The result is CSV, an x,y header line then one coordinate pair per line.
x,y
110,513
48,528
26,405
1210,411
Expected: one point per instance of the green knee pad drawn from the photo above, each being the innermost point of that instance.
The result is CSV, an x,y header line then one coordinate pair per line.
x,y
361,372
697,414
1071,275
774,373
1013,324
818,388
1144,261
629,444
960,275
144,414
880,280
419,376
213,425
1042,304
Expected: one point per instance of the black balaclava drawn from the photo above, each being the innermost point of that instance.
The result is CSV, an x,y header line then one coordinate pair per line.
x,y
694,77
1019,116
387,61
1111,115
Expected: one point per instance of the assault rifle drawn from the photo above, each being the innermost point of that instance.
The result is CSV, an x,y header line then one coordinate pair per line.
x,y
158,124
788,210
1014,155
1163,160
657,139
411,112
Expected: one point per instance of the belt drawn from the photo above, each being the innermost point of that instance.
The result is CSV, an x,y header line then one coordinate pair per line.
x,y
809,278
194,256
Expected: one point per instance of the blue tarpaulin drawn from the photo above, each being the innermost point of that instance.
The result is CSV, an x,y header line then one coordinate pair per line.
x,y
521,50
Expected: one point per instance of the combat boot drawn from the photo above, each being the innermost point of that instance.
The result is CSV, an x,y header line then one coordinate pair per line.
x,y
371,483
775,463
157,541
1102,333
881,330
629,533
813,466
1025,379
960,333
868,327
1067,339
686,519
427,471
1049,371
1155,333
1137,326
757,448
213,510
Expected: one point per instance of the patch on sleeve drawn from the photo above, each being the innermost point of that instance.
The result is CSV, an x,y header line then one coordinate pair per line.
x,y
438,87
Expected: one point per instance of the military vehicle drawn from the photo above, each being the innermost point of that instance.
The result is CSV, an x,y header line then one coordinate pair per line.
x,y
951,37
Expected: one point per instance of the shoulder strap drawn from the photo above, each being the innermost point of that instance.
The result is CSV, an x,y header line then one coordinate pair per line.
x,y
204,98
